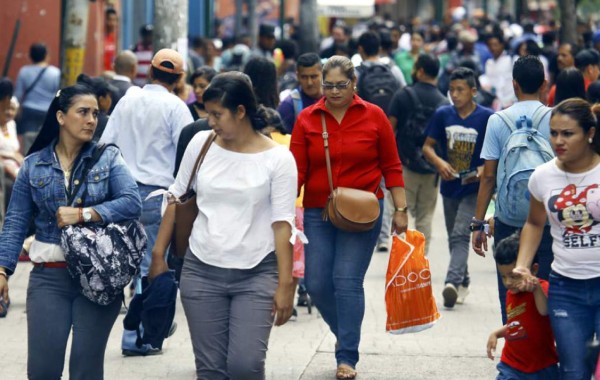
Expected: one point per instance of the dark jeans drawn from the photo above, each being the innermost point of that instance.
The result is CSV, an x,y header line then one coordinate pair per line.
x,y
543,257
55,306
574,309
336,262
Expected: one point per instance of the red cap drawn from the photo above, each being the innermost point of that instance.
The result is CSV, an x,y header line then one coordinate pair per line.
x,y
169,61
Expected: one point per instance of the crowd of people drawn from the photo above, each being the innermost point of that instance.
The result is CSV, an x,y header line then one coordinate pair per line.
x,y
262,135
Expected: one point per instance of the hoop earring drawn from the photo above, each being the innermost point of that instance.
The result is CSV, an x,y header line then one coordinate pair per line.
x,y
590,140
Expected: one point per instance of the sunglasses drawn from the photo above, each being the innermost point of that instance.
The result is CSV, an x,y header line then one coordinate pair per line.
x,y
339,86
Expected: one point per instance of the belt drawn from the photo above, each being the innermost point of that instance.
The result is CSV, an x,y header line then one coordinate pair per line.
x,y
55,264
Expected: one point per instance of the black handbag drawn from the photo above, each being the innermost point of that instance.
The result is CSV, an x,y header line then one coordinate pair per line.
x,y
103,259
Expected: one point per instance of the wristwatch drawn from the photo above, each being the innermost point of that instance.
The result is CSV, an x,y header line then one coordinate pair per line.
x,y
87,215
400,209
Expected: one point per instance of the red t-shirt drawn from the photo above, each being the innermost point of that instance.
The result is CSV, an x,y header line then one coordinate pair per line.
x,y
362,149
529,342
110,50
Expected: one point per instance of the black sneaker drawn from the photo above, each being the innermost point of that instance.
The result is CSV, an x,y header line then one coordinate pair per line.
x,y
303,300
450,295
150,352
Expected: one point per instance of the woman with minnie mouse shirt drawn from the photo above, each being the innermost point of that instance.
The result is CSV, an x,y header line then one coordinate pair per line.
x,y
567,191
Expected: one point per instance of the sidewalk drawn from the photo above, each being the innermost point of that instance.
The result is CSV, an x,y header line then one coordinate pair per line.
x,y
454,349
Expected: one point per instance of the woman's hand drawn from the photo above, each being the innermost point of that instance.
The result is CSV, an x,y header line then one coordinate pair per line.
x,y
400,222
283,303
528,282
158,266
66,216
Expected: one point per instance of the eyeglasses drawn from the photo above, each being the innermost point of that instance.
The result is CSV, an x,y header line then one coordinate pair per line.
x,y
340,86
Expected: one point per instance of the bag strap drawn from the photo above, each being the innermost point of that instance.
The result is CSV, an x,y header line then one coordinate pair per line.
x,y
504,117
211,138
326,143
33,84
539,115
98,152
412,94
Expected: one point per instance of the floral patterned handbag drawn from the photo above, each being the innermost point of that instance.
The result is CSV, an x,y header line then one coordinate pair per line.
x,y
103,259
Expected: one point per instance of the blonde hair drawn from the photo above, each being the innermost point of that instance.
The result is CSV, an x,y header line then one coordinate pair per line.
x,y
341,62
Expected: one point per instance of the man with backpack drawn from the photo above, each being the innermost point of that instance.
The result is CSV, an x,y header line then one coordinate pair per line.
x,y
409,113
516,142
308,72
377,82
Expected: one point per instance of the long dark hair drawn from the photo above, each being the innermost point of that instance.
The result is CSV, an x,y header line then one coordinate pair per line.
x,y
233,89
263,75
63,100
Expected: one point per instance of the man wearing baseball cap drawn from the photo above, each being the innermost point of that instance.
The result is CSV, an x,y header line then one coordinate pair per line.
x,y
146,124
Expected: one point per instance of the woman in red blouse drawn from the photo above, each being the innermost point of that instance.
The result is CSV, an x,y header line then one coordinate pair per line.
x,y
362,149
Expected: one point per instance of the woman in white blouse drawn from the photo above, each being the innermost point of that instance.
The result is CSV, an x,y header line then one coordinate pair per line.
x,y
237,274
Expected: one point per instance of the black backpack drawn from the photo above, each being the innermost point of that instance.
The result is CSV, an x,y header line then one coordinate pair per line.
x,y
377,84
411,137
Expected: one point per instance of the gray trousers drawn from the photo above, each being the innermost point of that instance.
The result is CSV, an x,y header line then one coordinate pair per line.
x,y
229,317
54,307
421,196
458,214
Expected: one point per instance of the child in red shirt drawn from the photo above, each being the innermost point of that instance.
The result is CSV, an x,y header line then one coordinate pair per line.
x,y
529,350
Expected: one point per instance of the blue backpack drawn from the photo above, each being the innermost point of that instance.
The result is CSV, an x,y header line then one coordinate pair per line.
x,y
524,151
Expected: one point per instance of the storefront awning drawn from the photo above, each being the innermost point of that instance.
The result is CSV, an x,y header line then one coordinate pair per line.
x,y
346,8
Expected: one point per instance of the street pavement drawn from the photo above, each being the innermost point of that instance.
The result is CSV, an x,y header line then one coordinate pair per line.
x,y
453,349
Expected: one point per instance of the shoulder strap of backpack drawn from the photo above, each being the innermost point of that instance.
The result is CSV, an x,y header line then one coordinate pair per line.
x,y
504,117
539,115
412,94
297,102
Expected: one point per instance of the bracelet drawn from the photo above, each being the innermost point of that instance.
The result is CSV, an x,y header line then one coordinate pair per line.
x,y
400,209
477,222
80,215
3,273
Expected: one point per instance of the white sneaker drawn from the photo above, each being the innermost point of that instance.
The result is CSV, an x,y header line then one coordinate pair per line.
x,y
463,292
450,295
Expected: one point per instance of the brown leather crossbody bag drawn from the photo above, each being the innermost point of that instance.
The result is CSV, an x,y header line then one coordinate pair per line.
x,y
186,209
348,209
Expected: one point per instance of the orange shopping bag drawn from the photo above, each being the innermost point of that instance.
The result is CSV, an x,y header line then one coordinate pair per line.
x,y
408,296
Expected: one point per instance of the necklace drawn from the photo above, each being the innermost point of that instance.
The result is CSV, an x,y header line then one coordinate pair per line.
x,y
66,167
587,170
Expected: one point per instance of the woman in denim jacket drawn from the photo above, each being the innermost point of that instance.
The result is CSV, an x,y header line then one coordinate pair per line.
x,y
54,302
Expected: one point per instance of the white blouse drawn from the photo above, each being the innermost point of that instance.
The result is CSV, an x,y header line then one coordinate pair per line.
x,y
239,197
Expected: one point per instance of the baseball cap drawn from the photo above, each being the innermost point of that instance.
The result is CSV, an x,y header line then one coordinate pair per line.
x,y
169,61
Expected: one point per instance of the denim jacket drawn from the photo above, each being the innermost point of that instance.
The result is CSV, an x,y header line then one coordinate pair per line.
x,y
39,191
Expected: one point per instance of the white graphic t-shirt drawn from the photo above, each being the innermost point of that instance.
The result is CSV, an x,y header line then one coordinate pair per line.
x,y
572,202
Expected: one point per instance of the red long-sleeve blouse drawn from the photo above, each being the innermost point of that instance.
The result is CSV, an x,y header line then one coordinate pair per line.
x,y
362,149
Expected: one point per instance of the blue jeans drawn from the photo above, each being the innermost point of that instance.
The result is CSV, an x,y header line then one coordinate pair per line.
x,y
56,309
543,257
506,372
574,309
151,219
336,262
